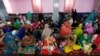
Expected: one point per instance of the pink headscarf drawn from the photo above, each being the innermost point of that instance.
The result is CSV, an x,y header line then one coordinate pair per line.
x,y
34,25
89,28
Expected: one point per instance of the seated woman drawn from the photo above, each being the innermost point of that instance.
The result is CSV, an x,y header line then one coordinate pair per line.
x,y
49,46
46,31
89,28
27,45
71,46
65,28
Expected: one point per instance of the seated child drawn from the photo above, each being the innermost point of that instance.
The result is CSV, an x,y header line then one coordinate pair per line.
x,y
27,45
49,46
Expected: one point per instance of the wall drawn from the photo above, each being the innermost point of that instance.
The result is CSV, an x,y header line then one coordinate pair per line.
x,y
22,6
47,6
61,5
84,5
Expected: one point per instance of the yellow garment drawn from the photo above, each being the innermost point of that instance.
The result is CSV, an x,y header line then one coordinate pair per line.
x,y
70,48
87,48
76,47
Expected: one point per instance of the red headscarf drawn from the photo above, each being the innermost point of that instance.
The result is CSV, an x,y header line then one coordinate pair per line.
x,y
97,40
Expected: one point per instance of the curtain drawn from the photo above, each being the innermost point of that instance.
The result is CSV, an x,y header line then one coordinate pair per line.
x,y
68,5
37,6
8,6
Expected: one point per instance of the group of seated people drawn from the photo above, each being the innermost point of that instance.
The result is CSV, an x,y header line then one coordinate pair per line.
x,y
22,36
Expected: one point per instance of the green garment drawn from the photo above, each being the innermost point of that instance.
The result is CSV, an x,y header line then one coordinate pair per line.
x,y
88,39
17,24
29,16
29,47
78,30
81,38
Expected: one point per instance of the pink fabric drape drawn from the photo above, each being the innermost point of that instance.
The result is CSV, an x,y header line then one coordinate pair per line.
x,y
37,6
68,6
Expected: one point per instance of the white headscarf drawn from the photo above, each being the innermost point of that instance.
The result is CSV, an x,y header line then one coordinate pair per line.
x,y
46,32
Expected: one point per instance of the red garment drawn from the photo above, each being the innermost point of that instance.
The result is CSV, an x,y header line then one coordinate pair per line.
x,y
45,43
55,51
45,52
34,25
97,40
65,30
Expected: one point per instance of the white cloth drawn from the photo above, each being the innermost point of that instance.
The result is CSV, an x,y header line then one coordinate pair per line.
x,y
28,22
46,32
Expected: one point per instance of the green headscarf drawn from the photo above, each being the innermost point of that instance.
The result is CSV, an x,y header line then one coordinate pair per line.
x,y
29,15
17,24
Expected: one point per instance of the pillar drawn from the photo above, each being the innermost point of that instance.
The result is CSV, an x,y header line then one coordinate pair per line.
x,y
55,14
